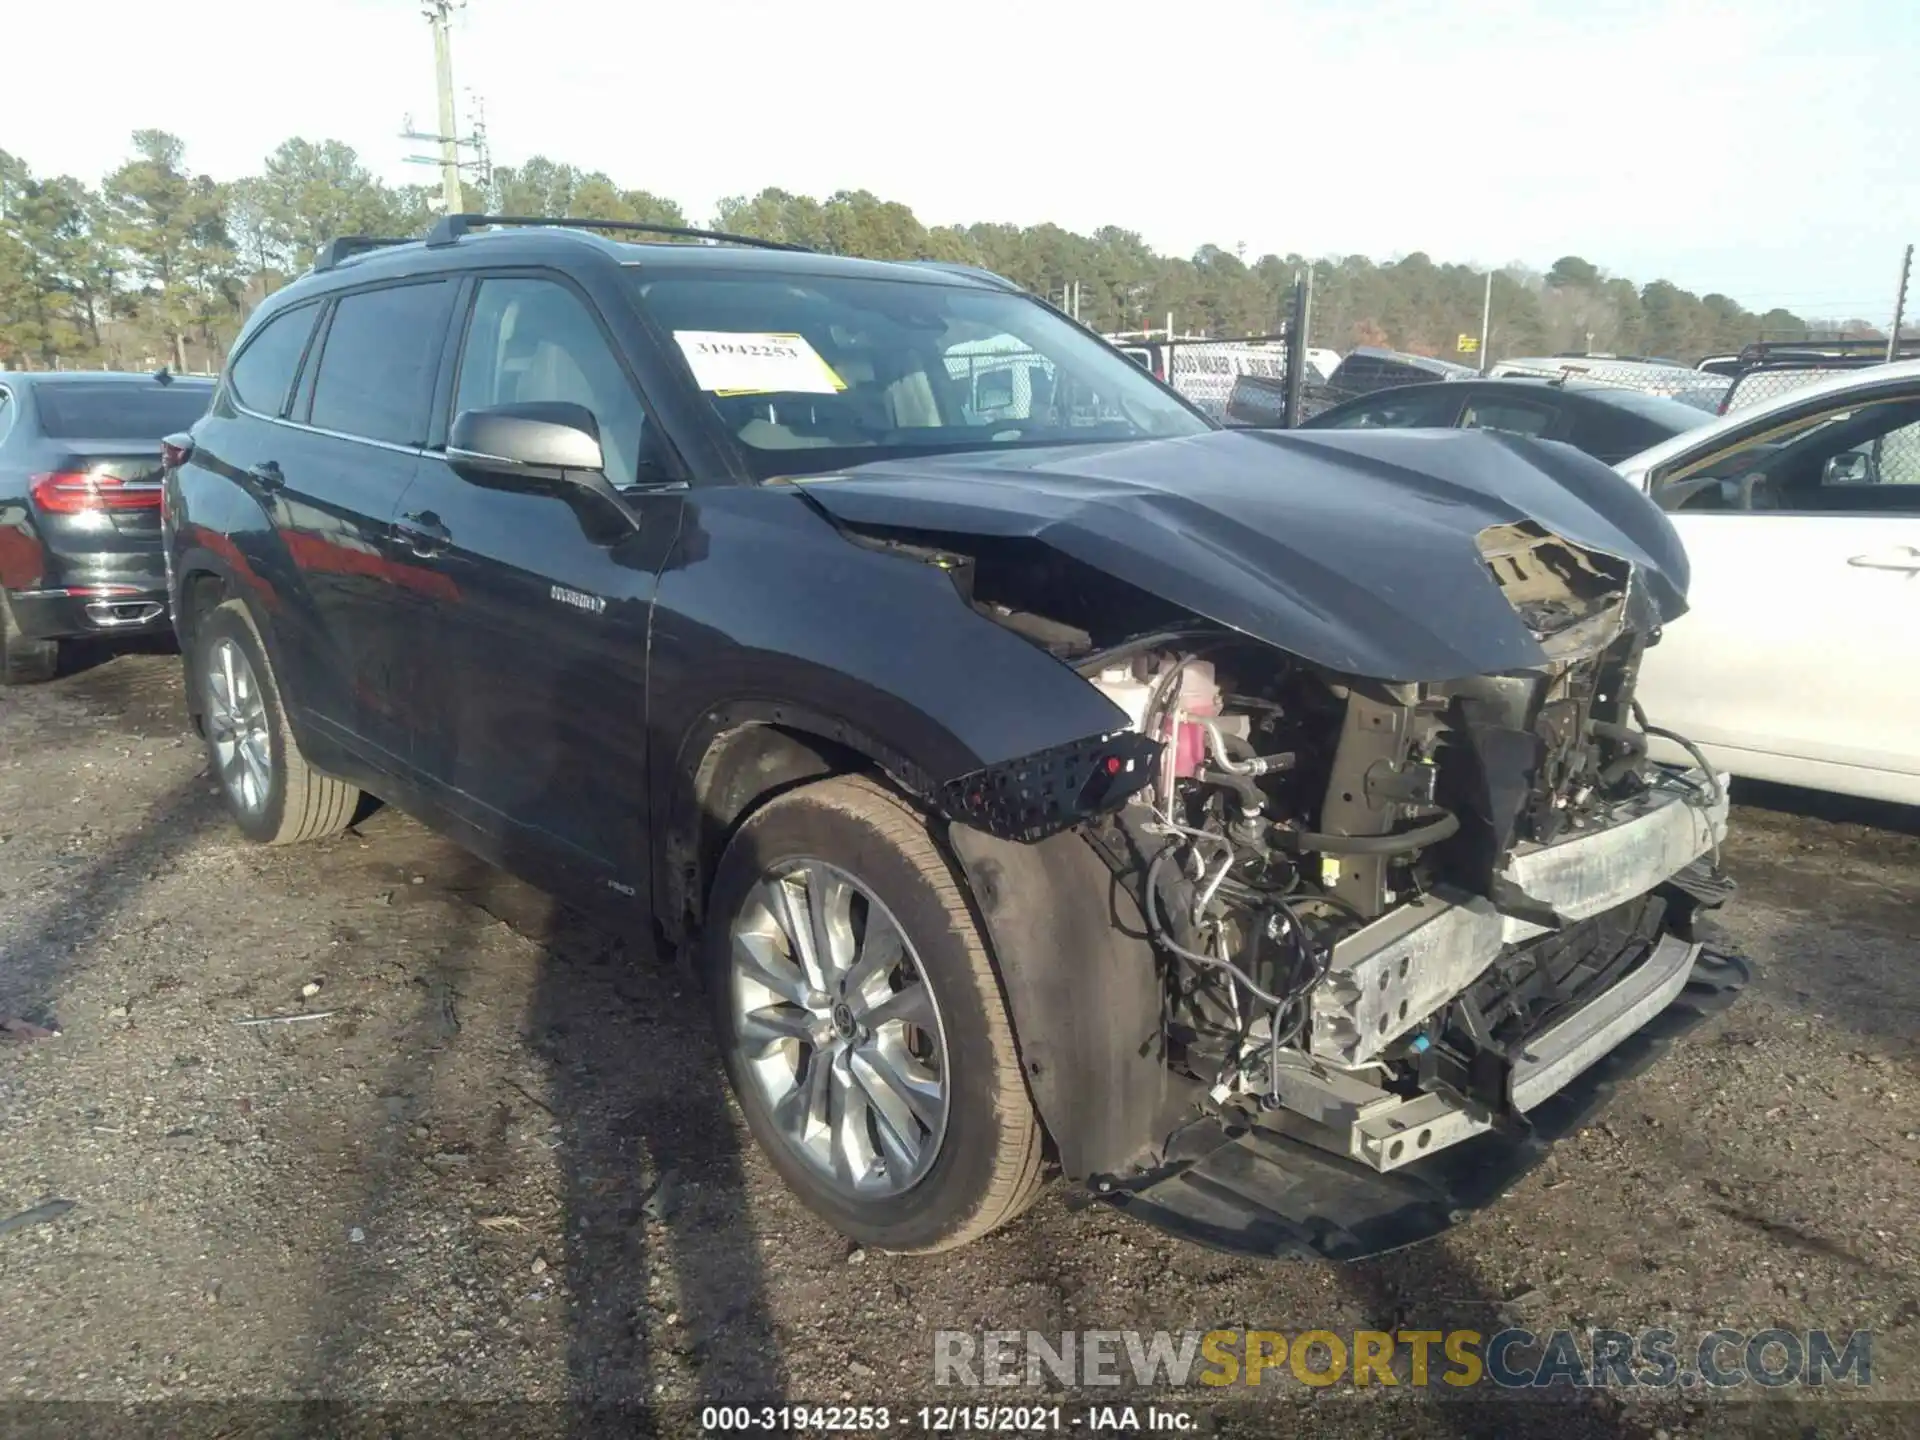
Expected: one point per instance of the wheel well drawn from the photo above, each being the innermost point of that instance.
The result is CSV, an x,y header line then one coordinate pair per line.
x,y
742,770
200,592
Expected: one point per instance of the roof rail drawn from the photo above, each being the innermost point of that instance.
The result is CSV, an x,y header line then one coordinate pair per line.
x,y
977,272
448,229
340,248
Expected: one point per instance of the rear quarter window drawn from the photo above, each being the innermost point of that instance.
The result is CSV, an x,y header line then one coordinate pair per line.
x,y
262,373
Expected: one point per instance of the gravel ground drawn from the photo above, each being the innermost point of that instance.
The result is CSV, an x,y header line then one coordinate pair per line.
x,y
504,1168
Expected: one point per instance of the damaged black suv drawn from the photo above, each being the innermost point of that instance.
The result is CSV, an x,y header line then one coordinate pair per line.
x,y
1257,828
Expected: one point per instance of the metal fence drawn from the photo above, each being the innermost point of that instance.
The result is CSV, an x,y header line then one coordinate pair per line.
x,y
1209,372
1666,378
1244,380
1758,384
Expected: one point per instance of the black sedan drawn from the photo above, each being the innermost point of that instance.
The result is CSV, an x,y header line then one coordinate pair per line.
x,y
80,456
1609,422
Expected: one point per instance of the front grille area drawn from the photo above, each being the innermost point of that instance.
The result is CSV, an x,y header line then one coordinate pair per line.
x,y
1534,984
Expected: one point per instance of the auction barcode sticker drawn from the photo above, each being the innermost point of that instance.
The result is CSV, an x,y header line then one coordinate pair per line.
x,y
743,362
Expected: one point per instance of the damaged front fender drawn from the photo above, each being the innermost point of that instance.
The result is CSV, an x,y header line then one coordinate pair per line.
x,y
1085,993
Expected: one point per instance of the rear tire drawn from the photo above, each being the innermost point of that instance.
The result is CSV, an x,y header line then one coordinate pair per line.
x,y
24,661
274,796
974,1157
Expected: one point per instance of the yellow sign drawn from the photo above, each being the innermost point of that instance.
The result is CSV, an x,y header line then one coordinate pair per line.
x,y
1467,344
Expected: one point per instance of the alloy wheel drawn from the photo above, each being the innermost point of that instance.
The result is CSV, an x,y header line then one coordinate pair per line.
x,y
835,1025
237,726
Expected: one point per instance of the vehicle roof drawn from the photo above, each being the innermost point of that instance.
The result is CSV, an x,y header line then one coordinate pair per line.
x,y
1428,363
530,243
1570,385
1572,363
78,377
1868,378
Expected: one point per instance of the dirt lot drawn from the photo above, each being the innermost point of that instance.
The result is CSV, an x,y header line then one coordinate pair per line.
x,y
503,1169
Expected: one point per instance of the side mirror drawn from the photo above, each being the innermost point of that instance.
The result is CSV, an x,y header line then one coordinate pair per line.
x,y
536,440
1848,468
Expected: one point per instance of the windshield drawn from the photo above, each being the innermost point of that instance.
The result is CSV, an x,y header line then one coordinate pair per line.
x,y
812,373
118,410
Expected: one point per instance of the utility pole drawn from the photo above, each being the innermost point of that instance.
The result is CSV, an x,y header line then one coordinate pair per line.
x,y
1298,319
1486,322
445,137
439,16
1899,306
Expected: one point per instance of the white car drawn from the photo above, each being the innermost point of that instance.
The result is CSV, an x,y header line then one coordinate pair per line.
x,y
1799,660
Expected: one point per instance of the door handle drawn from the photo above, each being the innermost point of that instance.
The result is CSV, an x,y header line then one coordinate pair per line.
x,y
1894,557
267,475
422,533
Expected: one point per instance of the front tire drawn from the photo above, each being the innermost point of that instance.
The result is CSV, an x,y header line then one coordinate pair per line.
x,y
862,1025
271,792
24,661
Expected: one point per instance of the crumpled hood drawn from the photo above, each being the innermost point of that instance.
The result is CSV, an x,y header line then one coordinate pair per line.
x,y
1352,549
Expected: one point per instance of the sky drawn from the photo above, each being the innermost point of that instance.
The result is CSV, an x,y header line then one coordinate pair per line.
x,y
1762,148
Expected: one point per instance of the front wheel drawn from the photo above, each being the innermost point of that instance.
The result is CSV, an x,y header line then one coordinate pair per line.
x,y
862,1024
274,796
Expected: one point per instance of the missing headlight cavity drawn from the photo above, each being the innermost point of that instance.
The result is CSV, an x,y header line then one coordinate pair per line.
x,y
1552,584
1065,606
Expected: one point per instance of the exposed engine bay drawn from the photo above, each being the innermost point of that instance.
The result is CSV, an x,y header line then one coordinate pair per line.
x,y
1289,811
1337,872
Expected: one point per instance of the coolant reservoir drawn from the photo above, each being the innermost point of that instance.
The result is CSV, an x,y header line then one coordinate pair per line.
x,y
1199,698
1118,684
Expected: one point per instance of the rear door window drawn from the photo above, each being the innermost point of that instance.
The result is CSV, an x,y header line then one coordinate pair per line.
x,y
119,409
262,373
1514,417
1399,411
378,362
1612,435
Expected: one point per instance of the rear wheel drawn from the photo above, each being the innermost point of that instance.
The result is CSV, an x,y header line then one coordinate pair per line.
x,y
24,661
862,1024
274,796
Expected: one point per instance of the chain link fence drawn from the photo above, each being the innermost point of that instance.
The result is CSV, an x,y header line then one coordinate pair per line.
x,y
1243,380
1666,378
1760,383
1237,381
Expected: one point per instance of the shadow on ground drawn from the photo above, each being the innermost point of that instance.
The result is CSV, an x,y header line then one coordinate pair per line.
x,y
1836,809
42,941
654,1191
77,657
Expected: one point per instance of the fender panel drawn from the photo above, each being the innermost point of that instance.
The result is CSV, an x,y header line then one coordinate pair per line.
x,y
765,613
1084,990
733,757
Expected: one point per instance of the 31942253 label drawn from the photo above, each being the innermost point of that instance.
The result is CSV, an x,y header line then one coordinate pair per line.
x,y
743,362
